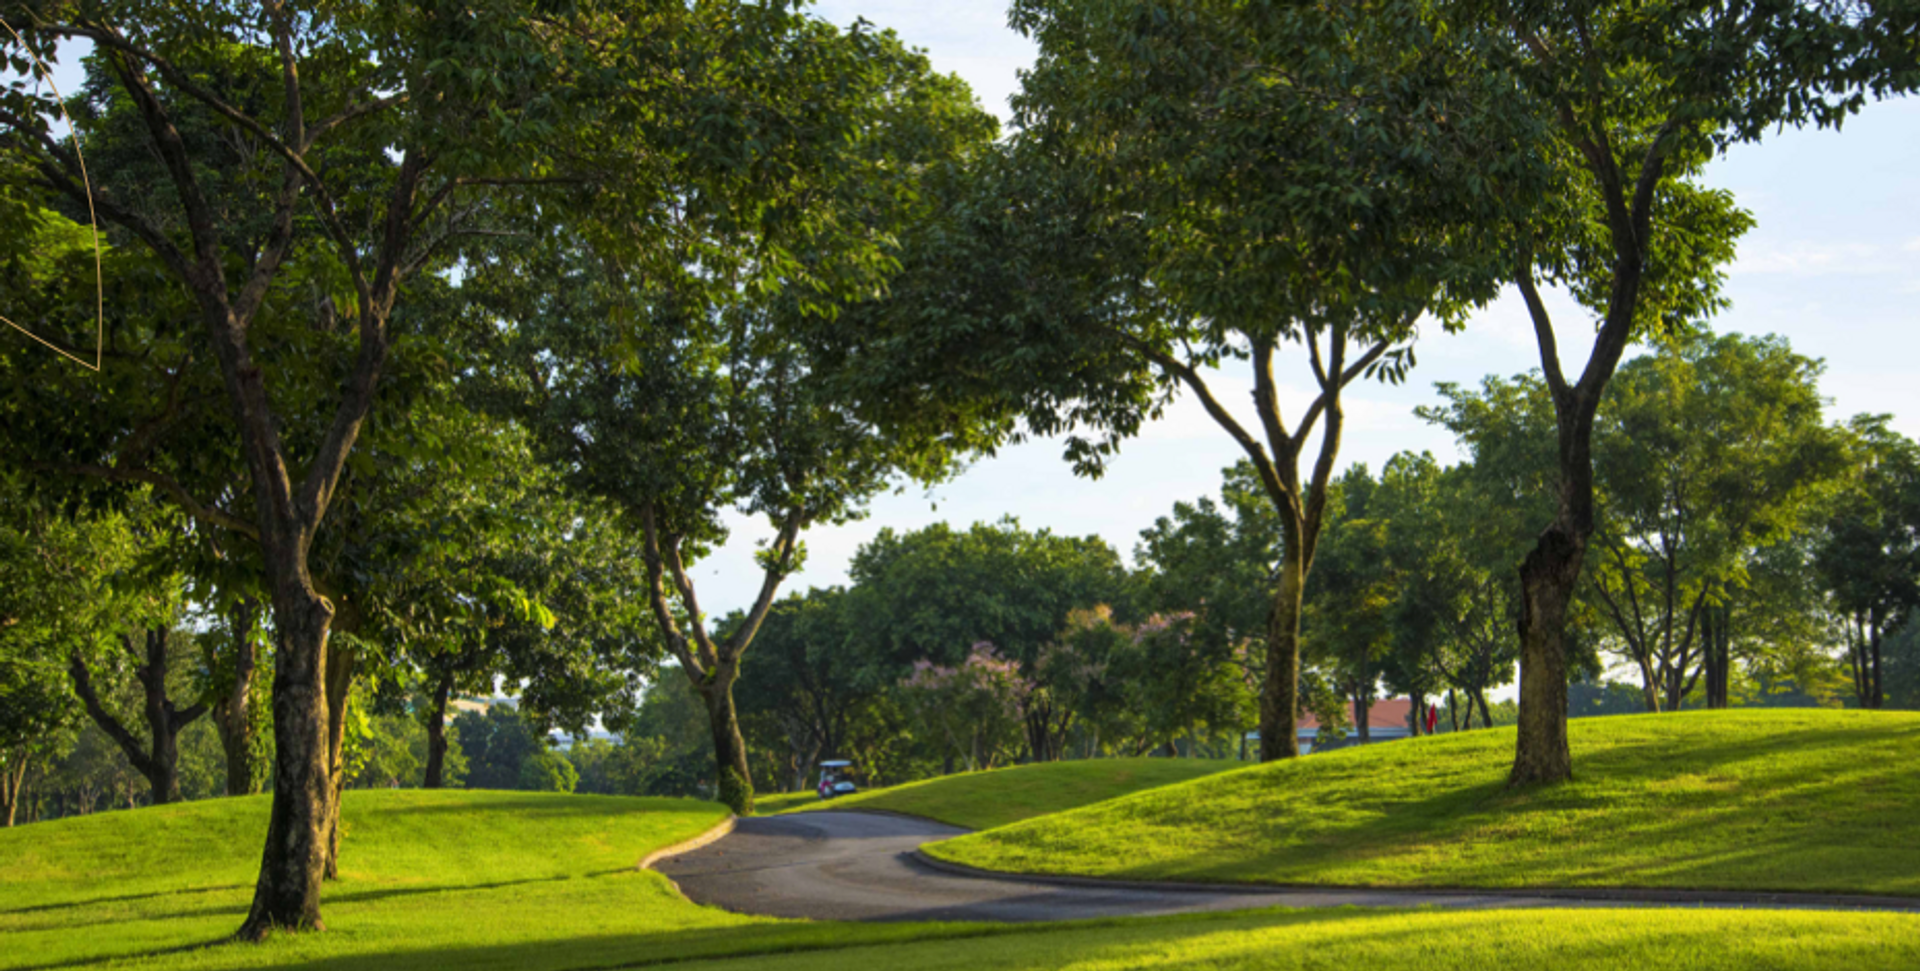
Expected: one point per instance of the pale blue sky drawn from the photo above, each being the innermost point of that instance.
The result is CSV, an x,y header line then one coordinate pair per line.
x,y
1831,266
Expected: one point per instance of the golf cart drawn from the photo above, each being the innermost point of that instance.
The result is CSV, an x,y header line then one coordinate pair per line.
x,y
834,780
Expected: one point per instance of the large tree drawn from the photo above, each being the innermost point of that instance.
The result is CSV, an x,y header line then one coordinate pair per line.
x,y
678,395
1639,96
1197,183
362,143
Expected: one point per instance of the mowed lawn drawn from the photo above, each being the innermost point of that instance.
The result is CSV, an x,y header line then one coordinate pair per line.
x,y
978,800
506,879
1749,800
547,882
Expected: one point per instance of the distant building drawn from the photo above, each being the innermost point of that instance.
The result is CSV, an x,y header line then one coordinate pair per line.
x,y
1387,720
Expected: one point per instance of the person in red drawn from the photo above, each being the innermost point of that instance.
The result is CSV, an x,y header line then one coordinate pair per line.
x,y
1433,719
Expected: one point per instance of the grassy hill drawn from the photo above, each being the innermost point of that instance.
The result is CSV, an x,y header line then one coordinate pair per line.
x,y
978,800
1755,800
541,882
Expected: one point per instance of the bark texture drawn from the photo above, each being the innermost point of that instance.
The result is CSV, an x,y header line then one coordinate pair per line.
x,y
287,895
233,710
437,733
1280,695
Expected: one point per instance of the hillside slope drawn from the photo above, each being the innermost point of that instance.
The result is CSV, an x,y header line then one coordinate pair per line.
x,y
1753,800
978,800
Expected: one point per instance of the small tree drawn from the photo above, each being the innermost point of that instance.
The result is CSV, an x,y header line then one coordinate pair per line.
x,y
975,705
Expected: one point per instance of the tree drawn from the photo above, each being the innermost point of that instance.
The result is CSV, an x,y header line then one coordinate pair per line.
x,y
1709,449
1638,98
678,396
975,705
929,594
1453,542
1867,552
357,140
496,743
1350,616
1200,182
35,714
1215,559
548,771
804,686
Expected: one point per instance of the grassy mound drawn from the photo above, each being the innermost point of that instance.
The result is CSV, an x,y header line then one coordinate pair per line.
x,y
978,800
1746,800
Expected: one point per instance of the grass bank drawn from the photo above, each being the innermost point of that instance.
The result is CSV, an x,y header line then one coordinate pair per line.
x,y
1739,800
978,800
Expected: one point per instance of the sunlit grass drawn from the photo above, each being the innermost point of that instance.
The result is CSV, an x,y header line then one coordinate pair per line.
x,y
1757,800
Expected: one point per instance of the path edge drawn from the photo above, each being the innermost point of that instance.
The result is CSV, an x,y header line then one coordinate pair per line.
x,y
718,831
1762,899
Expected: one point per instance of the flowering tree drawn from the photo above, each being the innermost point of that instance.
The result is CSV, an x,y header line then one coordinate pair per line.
x,y
976,705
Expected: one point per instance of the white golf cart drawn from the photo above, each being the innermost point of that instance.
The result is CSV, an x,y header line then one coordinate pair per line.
x,y
834,779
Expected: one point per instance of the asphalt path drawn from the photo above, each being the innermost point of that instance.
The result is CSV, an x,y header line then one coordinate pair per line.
x,y
861,866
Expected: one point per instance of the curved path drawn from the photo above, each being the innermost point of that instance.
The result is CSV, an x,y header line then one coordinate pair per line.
x,y
862,866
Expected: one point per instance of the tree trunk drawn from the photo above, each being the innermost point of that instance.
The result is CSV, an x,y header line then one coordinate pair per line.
x,y
1715,653
339,669
13,779
1877,697
1547,579
729,748
1362,714
159,759
1453,712
1280,696
233,712
1650,688
163,759
437,733
294,862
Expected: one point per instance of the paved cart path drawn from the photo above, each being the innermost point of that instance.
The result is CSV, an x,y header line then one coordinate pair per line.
x,y
861,866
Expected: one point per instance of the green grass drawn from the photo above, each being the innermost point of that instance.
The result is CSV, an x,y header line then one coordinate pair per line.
x,y
1747,800
546,883
979,800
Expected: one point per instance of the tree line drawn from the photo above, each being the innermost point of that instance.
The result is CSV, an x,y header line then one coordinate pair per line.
x,y
422,347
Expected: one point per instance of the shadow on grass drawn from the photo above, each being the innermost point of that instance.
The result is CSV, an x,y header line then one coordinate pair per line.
x,y
122,899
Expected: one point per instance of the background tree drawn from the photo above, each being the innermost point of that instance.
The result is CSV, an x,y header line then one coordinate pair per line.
x,y
1867,554
802,699
1708,450
929,594
1454,542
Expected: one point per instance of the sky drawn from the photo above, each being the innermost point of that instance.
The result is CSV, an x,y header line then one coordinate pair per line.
x,y
1831,266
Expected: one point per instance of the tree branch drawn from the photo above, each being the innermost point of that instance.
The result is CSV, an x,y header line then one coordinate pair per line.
x,y
775,571
1542,330
211,515
83,686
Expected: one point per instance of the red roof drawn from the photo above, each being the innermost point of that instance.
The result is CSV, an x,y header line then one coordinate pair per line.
x,y
1385,713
